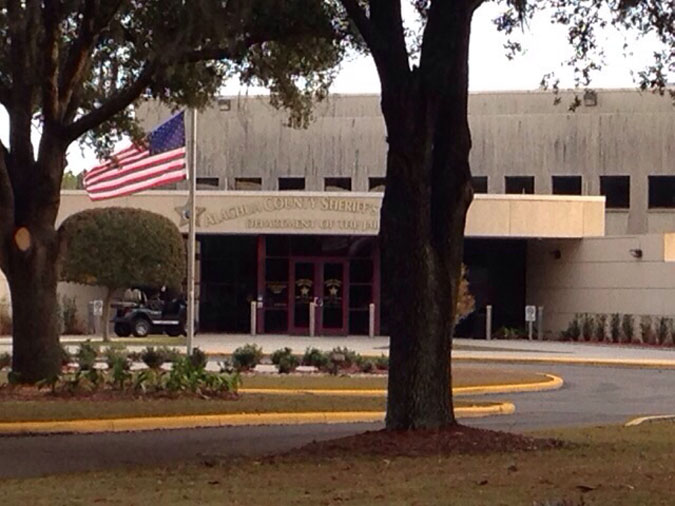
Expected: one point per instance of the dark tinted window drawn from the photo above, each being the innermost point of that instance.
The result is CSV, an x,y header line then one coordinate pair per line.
x,y
207,183
338,184
519,184
291,183
661,191
616,190
480,184
376,184
566,185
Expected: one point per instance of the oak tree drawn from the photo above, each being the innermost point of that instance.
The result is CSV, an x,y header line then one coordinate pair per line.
x,y
424,77
74,69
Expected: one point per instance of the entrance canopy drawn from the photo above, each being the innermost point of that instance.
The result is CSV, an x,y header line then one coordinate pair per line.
x,y
353,213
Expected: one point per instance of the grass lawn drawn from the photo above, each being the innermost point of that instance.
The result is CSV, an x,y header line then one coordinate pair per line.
x,y
120,342
606,466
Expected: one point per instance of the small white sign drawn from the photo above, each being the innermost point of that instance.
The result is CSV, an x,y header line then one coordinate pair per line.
x,y
98,308
530,313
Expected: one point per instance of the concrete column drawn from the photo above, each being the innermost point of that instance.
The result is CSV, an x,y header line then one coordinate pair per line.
x,y
312,319
488,322
371,320
254,317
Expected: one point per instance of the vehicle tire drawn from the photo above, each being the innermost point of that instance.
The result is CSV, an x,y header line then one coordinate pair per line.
x,y
141,327
174,331
122,330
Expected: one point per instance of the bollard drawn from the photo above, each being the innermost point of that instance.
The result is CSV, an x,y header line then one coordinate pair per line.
x,y
371,320
530,330
540,323
254,317
312,319
488,322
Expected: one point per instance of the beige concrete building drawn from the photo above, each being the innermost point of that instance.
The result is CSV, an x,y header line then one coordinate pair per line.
x,y
288,217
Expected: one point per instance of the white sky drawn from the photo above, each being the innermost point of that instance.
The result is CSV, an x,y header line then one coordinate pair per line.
x,y
545,48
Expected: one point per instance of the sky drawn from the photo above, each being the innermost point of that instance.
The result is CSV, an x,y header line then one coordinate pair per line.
x,y
489,69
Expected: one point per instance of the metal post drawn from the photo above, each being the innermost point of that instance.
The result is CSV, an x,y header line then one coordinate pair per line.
x,y
254,319
192,232
488,322
312,319
540,323
371,320
530,330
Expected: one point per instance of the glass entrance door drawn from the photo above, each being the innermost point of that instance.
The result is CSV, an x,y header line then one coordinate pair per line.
x,y
323,282
333,309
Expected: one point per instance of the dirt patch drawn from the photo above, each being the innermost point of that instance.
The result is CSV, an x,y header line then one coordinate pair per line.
x,y
455,439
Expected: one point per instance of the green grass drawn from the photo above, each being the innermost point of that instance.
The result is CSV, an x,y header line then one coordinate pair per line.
x,y
619,466
121,342
19,411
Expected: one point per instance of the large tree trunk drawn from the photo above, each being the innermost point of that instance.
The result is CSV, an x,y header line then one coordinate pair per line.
x,y
428,192
32,280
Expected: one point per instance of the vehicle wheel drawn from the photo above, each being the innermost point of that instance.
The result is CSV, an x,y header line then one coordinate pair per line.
x,y
174,331
141,327
122,330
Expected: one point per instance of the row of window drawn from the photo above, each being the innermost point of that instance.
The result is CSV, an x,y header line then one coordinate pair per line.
x,y
616,189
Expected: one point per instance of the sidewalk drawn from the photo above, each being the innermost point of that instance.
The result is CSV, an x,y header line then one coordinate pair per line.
x,y
464,349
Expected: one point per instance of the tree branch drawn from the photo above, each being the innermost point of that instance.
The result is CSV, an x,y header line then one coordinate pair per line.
x,y
51,17
359,18
114,104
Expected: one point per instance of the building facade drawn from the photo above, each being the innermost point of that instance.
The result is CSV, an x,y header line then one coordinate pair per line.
x,y
288,219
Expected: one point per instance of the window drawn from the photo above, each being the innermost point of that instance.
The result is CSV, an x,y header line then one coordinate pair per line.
x,y
480,184
291,183
520,184
207,183
338,184
616,190
661,192
248,183
376,184
566,185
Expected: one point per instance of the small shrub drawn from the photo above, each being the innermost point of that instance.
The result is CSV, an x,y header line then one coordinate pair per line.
x,y
615,328
5,360
247,357
119,365
382,363
646,332
114,356
573,330
367,366
627,328
71,323
287,364
587,326
170,354
664,330
316,358
86,356
198,359
508,333
135,356
600,324
152,358
280,353
350,356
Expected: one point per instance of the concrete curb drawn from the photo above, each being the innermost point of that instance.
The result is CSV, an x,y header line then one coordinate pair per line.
x,y
551,383
640,420
571,360
202,421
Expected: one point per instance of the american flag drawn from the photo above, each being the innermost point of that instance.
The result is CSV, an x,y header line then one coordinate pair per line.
x,y
139,167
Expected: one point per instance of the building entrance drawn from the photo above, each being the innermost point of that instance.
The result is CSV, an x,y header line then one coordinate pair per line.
x,y
322,282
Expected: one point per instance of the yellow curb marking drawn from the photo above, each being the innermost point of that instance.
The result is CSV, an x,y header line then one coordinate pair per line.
x,y
551,383
186,422
638,421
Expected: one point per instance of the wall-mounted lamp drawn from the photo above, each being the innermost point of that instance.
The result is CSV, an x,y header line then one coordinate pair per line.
x,y
590,98
636,253
556,254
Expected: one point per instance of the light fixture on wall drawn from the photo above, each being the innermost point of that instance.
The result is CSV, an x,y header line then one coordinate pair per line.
x,y
636,253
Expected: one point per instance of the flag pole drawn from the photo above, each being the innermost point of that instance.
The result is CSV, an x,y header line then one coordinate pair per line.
x,y
192,232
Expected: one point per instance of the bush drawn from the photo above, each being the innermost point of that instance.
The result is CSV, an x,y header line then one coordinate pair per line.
x,y
71,324
350,356
367,365
615,328
86,356
316,358
169,354
382,363
646,332
117,357
5,360
587,326
508,333
573,330
285,360
627,327
247,357
600,324
198,359
153,358
664,329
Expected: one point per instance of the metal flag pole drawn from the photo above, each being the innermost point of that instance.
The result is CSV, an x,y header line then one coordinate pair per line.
x,y
192,232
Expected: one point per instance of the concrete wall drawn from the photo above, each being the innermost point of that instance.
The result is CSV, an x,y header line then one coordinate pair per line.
x,y
514,133
601,275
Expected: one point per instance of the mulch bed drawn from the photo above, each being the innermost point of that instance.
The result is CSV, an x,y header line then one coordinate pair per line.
x,y
455,439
